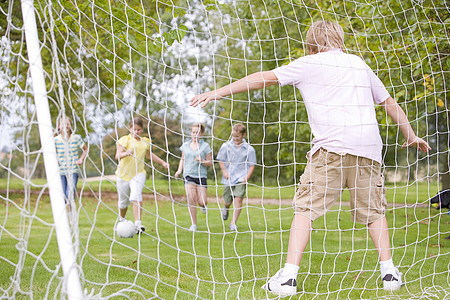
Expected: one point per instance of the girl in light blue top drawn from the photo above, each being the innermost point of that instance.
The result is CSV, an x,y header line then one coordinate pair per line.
x,y
196,157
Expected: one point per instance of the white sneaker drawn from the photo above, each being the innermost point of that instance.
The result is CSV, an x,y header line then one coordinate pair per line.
x,y
392,281
280,286
224,213
232,227
193,227
140,229
203,209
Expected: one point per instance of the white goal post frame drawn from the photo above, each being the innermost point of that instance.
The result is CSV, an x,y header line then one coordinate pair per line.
x,y
71,279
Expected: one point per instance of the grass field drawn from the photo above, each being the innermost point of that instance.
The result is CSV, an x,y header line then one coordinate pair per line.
x,y
400,193
168,261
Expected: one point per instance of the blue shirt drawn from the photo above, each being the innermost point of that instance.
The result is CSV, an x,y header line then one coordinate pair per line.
x,y
192,167
237,161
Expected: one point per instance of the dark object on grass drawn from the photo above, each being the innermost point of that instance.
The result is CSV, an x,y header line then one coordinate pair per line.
x,y
442,199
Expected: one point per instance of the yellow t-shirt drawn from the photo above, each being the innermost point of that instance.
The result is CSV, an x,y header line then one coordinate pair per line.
x,y
131,165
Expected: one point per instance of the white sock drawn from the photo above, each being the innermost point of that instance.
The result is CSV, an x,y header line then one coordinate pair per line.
x,y
290,271
138,223
121,219
386,266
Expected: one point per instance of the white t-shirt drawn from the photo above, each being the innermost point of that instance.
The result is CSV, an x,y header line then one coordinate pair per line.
x,y
339,91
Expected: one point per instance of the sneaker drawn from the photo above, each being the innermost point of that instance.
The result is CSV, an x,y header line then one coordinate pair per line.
x,y
232,227
392,281
279,286
224,213
203,209
140,229
193,227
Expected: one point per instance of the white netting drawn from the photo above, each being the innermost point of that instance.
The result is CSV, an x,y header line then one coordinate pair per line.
x,y
107,61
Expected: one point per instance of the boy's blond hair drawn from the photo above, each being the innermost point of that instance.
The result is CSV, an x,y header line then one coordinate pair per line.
x,y
323,36
239,128
200,126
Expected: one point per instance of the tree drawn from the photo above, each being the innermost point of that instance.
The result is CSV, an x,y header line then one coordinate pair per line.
x,y
405,44
98,58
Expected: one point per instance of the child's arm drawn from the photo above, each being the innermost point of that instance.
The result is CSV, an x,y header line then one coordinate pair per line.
x,y
224,170
249,174
207,162
155,157
251,82
180,166
122,152
83,156
399,117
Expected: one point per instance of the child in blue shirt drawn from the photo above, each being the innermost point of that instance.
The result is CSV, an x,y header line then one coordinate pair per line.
x,y
237,160
196,157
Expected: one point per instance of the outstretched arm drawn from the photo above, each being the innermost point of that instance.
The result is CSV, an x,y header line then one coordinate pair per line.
x,y
180,166
399,117
152,156
251,82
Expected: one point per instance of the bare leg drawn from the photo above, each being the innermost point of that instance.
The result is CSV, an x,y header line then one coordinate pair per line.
x,y
298,239
191,193
123,212
202,196
379,233
237,209
137,210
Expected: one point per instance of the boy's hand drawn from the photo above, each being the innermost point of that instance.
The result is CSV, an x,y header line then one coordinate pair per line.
x,y
417,143
177,174
79,162
204,98
243,179
226,175
130,152
165,165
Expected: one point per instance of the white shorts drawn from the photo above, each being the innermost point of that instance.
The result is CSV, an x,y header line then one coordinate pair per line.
x,y
130,190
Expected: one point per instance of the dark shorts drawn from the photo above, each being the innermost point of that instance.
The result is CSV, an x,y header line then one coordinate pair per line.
x,y
197,181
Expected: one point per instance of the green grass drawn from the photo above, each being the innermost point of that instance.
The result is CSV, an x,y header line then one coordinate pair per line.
x,y
398,193
170,262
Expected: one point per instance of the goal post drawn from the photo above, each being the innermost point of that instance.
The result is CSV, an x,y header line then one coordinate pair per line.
x,y
71,283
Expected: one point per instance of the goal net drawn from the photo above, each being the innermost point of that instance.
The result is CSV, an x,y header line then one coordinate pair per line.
x,y
105,63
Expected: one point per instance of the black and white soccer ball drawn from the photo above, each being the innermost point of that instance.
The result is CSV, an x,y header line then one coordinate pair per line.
x,y
126,229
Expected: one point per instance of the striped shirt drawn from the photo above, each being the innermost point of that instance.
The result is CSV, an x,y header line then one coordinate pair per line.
x,y
67,151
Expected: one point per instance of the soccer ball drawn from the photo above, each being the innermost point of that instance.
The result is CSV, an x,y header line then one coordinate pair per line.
x,y
126,229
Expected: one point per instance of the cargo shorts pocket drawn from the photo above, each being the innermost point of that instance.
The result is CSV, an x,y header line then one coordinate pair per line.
x,y
302,198
381,201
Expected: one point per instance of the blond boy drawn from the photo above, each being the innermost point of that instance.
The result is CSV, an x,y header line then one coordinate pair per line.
x,y
339,91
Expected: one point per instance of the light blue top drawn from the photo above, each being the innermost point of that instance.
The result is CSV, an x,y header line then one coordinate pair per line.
x,y
192,167
237,161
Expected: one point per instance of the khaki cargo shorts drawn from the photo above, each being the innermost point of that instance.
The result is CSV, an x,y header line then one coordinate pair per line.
x,y
327,174
230,192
